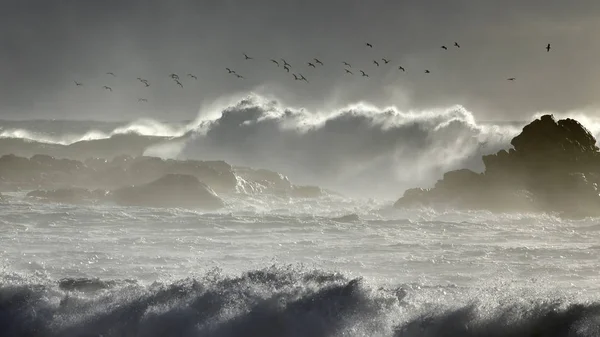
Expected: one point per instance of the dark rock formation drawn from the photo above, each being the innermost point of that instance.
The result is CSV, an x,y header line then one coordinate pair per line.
x,y
172,190
554,166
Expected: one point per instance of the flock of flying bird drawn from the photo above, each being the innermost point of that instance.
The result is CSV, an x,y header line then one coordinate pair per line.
x,y
287,67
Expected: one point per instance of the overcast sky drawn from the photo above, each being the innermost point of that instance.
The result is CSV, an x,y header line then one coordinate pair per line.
x,y
46,45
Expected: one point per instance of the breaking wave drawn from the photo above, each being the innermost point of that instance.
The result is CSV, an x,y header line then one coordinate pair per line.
x,y
356,149
281,302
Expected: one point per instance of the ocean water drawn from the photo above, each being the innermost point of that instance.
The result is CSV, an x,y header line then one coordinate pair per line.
x,y
339,265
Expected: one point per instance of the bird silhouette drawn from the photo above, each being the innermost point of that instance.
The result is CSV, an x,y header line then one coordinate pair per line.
x,y
146,84
296,77
348,71
192,76
311,65
386,61
369,45
364,74
511,79
239,76
107,88
179,83
401,68
286,68
285,64
230,71
303,78
456,45
319,62
277,63
77,83
548,48
112,74
174,76
376,63
444,47
427,72
347,64
142,100
247,57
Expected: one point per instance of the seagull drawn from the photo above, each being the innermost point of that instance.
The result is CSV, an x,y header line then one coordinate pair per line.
x,y
303,78
192,76
286,68
444,47
348,71
247,57
386,61
142,100
511,79
285,64
401,68
77,83
239,76
548,47
311,65
369,45
319,62
230,71
107,88
147,84
364,74
376,63
109,73
277,63
427,72
347,64
456,45
179,83
174,76
296,77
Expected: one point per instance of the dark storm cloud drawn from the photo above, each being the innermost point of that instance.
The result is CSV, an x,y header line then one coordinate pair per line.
x,y
45,45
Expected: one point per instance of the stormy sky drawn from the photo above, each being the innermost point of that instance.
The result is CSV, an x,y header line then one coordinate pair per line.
x,y
46,45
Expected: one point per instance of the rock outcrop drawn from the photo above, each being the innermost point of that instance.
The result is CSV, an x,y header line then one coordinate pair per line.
x,y
554,166
171,190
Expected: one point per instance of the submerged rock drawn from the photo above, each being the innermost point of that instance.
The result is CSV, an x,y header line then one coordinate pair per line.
x,y
172,190
553,166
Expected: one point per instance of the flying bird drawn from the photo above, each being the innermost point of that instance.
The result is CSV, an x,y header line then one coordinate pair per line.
x,y
285,64
311,65
444,47
247,57
107,88
192,76
319,62
296,77
386,61
511,79
364,74
376,63
348,71
427,72
303,78
277,63
230,71
174,76
112,74
179,83
347,64
142,100
239,76
146,84
369,45
401,68
77,83
286,68
456,45
548,48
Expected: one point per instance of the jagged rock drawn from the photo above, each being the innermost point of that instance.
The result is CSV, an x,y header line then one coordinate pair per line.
x,y
553,166
172,190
